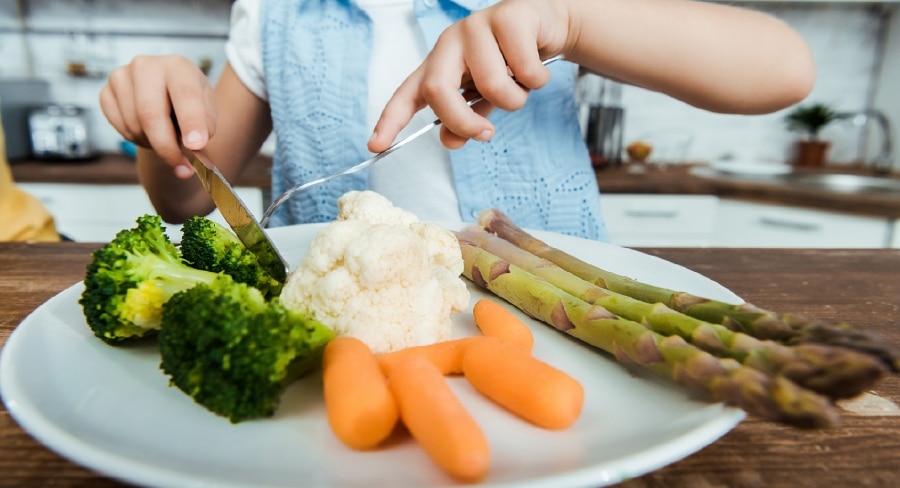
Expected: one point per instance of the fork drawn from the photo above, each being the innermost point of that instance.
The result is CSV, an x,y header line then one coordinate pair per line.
x,y
287,194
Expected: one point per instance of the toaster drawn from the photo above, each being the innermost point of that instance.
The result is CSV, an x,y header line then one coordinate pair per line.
x,y
17,98
60,132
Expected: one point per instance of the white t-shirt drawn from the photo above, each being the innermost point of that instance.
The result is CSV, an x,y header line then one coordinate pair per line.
x,y
418,177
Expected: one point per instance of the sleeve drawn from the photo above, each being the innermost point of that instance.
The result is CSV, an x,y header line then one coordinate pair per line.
x,y
243,50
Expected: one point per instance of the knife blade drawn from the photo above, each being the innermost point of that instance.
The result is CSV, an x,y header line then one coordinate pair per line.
x,y
238,216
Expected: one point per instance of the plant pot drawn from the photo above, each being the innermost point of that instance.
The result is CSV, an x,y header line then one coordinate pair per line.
x,y
810,154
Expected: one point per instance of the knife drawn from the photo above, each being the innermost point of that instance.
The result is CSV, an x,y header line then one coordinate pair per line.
x,y
238,216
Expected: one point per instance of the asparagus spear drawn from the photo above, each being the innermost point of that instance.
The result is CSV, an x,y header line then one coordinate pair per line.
x,y
745,317
725,380
836,372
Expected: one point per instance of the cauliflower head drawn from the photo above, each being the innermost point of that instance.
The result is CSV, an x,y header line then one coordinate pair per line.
x,y
379,274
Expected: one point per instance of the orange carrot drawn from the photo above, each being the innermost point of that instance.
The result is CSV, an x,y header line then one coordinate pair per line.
x,y
521,383
495,320
446,355
360,407
437,420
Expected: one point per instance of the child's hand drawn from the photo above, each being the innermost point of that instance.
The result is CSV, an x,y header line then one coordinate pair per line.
x,y
481,52
140,98
715,57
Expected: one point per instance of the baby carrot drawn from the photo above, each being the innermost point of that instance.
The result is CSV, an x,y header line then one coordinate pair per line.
x,y
437,420
495,320
360,407
524,385
446,355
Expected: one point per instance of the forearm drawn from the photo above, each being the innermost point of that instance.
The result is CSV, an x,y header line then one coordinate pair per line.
x,y
712,56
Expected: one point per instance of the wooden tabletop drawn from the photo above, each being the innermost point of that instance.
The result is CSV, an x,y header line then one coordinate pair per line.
x,y
860,286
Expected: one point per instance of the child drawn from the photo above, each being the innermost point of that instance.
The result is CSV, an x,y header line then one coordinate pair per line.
x,y
320,72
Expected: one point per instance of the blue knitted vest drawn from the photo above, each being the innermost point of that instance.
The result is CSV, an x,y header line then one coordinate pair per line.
x,y
316,57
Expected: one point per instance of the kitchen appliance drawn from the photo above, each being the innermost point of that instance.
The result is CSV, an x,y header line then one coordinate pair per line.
x,y
601,117
60,132
17,98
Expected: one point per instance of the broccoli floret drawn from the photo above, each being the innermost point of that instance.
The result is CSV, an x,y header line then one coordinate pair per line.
x,y
234,352
129,279
210,246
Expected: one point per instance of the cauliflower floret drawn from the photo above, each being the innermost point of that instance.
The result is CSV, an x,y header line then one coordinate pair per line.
x,y
372,207
378,274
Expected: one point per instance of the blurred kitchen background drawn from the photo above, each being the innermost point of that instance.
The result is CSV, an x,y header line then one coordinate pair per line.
x,y
70,46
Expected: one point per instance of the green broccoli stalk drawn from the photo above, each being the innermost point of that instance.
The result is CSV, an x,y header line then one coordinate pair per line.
x,y
210,246
129,279
234,352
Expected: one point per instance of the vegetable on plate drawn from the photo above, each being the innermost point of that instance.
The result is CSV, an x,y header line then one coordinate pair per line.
x,y
725,380
378,274
233,351
495,320
832,371
438,421
210,246
360,407
526,386
130,279
746,317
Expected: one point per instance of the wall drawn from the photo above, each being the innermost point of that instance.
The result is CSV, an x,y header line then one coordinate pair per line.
x,y
40,37
844,42
36,39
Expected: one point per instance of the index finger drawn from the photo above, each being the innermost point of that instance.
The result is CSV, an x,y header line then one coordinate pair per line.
x,y
397,113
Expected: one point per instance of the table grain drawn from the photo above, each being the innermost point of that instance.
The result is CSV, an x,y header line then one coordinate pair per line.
x,y
860,286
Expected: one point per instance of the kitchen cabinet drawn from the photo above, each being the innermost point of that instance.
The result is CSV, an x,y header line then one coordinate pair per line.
x,y
635,220
750,224
895,234
95,212
649,220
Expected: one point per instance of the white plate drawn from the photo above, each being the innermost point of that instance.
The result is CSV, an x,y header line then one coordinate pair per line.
x,y
111,409
751,168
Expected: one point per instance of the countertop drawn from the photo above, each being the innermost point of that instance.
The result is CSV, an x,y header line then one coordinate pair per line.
x,y
628,178
118,169
679,180
859,286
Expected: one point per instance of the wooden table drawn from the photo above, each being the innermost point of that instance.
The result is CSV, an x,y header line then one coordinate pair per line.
x,y
862,286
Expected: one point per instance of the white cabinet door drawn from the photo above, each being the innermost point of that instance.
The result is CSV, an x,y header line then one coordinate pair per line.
x,y
659,220
745,224
94,213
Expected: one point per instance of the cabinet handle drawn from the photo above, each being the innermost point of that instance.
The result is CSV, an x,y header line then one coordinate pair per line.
x,y
656,214
788,224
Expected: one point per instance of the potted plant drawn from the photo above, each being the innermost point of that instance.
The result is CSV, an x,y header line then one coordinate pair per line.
x,y
810,120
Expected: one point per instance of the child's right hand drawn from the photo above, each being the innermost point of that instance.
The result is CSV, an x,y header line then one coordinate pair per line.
x,y
140,98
